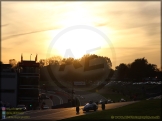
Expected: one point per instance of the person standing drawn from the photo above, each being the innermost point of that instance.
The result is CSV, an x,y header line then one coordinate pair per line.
x,y
103,106
77,105
77,109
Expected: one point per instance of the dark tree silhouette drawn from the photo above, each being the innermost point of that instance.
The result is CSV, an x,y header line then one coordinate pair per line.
x,y
55,60
122,71
42,62
92,74
111,73
1,62
151,70
13,62
137,70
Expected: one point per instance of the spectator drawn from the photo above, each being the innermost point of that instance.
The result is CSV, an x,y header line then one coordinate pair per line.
x,y
77,105
103,106
77,109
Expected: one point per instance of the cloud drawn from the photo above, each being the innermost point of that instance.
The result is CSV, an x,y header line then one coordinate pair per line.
x,y
4,25
16,35
6,48
145,15
30,17
135,25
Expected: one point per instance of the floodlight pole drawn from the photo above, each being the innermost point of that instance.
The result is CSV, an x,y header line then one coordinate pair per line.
x,y
30,57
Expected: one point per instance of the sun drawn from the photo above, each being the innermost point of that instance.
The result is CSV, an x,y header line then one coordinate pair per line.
x,y
78,42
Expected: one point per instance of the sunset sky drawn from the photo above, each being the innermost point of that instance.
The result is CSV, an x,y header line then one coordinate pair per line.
x,y
122,31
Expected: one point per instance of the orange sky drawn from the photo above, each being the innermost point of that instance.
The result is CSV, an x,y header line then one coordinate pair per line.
x,y
122,31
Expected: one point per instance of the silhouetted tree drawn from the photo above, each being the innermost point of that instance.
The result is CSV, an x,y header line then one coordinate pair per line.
x,y
90,75
122,71
42,62
111,73
137,70
69,61
55,60
72,76
13,63
151,70
108,62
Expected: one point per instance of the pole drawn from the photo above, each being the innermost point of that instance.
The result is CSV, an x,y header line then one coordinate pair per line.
x,y
72,93
30,57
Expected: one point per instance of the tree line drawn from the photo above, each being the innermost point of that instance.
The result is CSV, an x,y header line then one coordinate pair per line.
x,y
89,67
137,70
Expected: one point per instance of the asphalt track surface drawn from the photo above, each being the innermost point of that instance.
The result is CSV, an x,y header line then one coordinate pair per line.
x,y
62,113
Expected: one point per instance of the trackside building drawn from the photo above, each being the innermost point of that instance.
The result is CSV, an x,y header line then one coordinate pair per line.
x,y
28,83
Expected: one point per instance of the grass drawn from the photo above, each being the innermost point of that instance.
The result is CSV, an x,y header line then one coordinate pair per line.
x,y
115,97
143,108
118,91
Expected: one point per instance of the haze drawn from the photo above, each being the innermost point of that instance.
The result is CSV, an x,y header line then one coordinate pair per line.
x,y
133,29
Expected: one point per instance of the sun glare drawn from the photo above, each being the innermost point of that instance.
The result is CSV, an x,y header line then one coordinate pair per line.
x,y
79,42
77,15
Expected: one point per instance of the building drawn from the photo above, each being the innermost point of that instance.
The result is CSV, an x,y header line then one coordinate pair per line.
x,y
28,83
8,84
